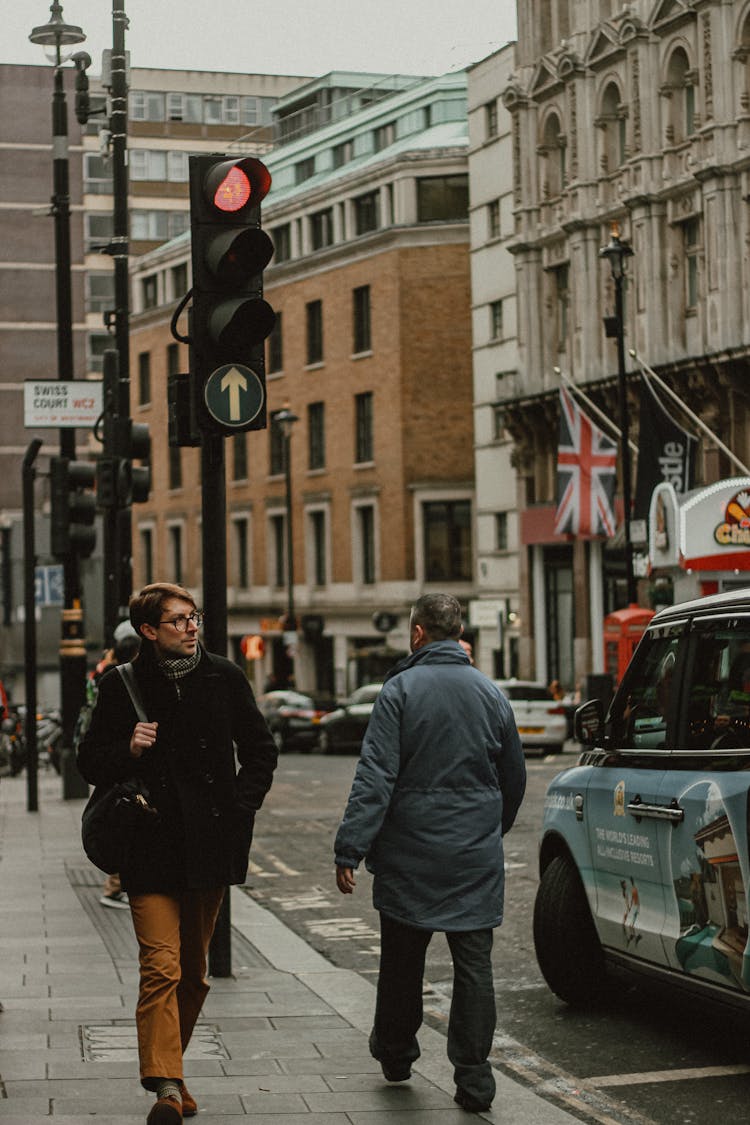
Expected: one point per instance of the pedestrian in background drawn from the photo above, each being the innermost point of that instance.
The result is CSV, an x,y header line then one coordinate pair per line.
x,y
439,782
126,647
200,707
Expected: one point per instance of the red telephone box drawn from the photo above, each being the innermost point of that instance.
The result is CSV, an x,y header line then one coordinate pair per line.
x,y
622,631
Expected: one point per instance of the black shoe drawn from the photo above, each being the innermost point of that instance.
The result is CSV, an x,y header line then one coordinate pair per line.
x,y
396,1072
470,1103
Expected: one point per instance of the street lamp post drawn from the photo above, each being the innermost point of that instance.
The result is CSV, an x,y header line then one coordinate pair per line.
x,y
54,35
285,420
617,252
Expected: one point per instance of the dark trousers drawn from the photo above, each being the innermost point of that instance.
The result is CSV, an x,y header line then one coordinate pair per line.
x,y
398,1010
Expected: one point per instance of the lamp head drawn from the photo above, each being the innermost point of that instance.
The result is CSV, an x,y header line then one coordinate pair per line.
x,y
616,252
56,34
285,420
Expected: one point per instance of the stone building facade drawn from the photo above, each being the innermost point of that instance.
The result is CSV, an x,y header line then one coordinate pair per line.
x,y
637,114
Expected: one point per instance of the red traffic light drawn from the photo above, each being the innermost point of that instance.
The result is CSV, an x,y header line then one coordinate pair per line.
x,y
232,184
252,646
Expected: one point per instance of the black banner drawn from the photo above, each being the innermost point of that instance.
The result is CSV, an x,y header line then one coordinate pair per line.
x,y
666,452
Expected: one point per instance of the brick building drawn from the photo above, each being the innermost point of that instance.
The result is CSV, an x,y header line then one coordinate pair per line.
x,y
372,351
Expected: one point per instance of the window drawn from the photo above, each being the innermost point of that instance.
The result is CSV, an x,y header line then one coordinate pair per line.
x,y
149,226
144,378
496,320
342,154
218,110
304,170
146,106
276,347
278,567
175,550
562,301
364,445
501,531
613,122
447,540
361,310
493,219
490,120
150,291
366,535
185,107
366,213
173,359
321,229
552,152
97,175
316,435
282,242
148,164
239,457
680,92
314,314
179,281
147,555
175,467
99,229
384,136
318,545
442,198
240,529
275,447
691,233
100,292
177,167
98,344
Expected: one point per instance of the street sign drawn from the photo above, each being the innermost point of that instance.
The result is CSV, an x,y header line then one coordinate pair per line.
x,y
234,395
49,585
58,403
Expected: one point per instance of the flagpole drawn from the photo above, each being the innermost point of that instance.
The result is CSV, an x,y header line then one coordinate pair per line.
x,y
603,418
649,371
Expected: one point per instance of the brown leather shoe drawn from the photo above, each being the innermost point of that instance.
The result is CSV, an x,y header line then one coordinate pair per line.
x,y
189,1104
165,1111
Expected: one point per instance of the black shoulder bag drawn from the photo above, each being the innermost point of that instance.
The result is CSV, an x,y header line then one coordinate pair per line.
x,y
114,815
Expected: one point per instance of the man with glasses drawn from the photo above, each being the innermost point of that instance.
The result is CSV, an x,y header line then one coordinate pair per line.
x,y
199,708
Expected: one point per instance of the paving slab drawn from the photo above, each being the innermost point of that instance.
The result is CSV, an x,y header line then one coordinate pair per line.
x,y
282,1042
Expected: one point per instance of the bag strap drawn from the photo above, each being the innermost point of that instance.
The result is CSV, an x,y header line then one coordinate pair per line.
x,y
128,678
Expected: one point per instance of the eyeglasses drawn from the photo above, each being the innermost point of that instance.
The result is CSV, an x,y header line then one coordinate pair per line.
x,y
181,623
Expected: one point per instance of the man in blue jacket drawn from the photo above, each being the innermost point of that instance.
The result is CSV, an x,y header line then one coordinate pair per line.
x,y
439,782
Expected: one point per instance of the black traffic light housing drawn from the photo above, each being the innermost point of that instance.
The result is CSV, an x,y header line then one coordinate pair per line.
x,y
120,483
73,508
229,320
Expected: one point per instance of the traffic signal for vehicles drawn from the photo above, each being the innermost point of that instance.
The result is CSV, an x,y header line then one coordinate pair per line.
x,y
120,483
230,320
73,507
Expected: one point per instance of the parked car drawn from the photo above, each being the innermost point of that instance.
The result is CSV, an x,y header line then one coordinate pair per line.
x,y
541,720
293,718
344,728
644,855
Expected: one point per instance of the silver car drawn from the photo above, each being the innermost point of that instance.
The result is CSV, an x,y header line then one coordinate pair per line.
x,y
541,720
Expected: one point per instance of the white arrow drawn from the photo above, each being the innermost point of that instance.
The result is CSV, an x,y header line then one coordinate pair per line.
x,y
236,382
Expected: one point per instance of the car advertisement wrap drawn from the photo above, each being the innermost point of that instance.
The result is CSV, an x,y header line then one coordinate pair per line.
x,y
666,890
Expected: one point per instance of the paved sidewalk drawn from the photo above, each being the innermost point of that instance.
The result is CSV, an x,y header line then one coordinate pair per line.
x,y
284,1041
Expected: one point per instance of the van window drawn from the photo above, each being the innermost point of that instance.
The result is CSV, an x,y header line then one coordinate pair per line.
x,y
718,697
641,713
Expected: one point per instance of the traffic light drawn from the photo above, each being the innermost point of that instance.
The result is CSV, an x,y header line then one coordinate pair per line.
x,y
229,320
73,507
120,483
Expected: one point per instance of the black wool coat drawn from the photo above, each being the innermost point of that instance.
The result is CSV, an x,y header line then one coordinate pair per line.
x,y
201,837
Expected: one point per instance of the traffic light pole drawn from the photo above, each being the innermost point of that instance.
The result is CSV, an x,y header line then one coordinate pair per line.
x,y
72,647
119,536
214,545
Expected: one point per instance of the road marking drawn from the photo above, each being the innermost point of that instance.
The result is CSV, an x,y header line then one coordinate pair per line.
x,y
313,900
280,865
341,929
259,873
651,1076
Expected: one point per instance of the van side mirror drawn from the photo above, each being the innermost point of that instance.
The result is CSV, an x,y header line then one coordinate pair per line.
x,y
588,723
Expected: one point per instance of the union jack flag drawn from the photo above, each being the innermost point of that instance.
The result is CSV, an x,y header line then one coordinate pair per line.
x,y
586,462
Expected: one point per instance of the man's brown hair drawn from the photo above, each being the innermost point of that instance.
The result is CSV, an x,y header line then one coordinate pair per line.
x,y
439,615
147,605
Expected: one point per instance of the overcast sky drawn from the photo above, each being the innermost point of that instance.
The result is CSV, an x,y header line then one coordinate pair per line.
x,y
300,37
